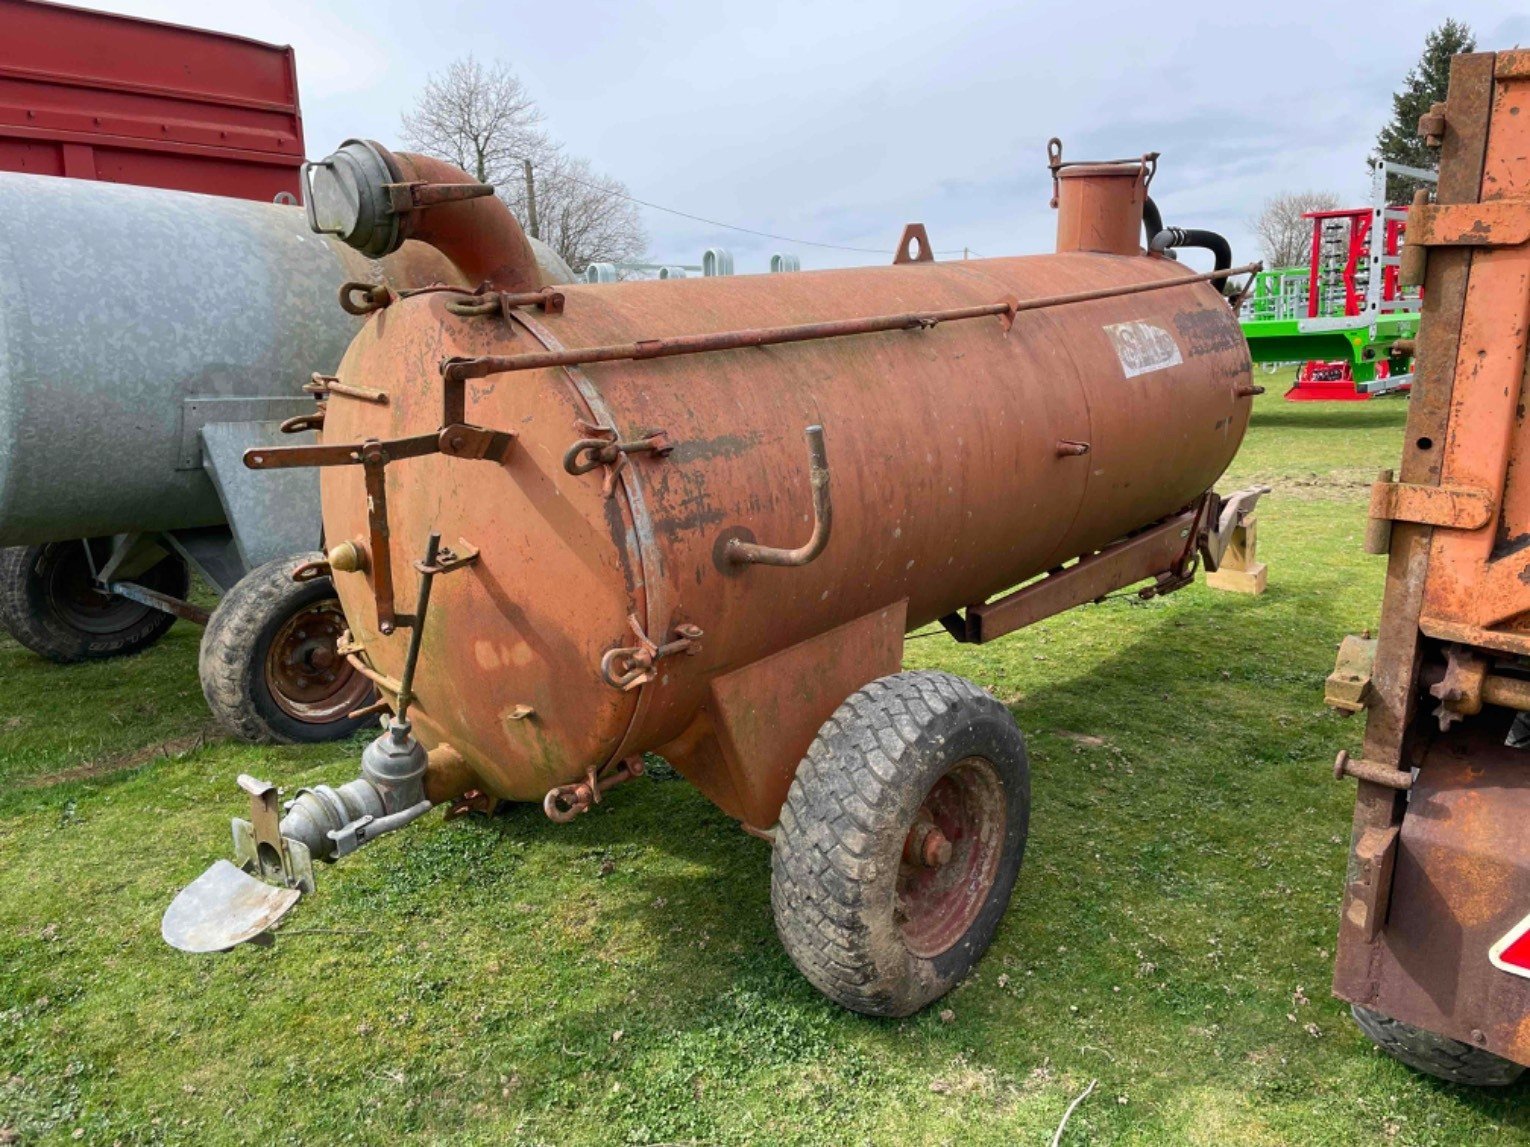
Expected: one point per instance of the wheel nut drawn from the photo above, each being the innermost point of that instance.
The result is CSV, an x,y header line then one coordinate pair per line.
x,y
926,845
936,850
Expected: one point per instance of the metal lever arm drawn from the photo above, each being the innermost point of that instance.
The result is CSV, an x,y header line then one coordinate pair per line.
x,y
351,837
741,552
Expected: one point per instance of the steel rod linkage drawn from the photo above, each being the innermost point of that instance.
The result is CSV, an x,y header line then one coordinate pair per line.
x,y
458,370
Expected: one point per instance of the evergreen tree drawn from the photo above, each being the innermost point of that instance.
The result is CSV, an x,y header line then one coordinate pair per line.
x,y
1399,141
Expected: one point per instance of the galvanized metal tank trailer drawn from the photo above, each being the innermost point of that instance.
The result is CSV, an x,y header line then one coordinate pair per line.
x,y
696,518
147,339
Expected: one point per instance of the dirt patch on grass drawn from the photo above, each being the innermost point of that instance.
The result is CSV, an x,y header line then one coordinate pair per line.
x,y
118,762
1346,485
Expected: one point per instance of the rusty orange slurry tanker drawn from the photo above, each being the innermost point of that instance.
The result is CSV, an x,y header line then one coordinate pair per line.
x,y
571,526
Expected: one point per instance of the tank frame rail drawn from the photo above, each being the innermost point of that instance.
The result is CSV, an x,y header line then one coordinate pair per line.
x,y
1168,552
458,371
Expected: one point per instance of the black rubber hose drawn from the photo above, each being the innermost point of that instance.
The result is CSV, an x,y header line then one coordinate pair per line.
x,y
1152,220
1194,237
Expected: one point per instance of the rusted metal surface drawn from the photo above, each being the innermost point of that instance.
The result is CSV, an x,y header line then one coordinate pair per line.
x,y
1501,224
1394,684
1476,586
461,369
307,678
948,489
758,721
1436,878
1450,507
1158,549
1461,881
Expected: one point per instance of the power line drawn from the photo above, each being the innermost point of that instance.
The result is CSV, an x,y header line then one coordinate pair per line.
x,y
745,230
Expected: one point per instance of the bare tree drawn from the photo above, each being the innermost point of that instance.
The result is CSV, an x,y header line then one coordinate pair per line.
x,y
584,216
1285,237
483,120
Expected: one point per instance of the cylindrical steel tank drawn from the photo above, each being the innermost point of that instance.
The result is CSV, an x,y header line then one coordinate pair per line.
x,y
964,459
120,304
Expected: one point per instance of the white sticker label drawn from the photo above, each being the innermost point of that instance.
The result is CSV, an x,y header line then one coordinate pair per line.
x,y
1143,348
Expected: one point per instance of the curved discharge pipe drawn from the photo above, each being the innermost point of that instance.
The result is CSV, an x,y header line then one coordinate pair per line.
x,y
1162,239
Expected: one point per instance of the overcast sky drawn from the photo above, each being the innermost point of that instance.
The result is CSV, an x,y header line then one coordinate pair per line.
x,y
839,122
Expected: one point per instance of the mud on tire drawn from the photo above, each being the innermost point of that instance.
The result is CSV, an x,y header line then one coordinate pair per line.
x,y
1436,1055
49,603
268,664
872,929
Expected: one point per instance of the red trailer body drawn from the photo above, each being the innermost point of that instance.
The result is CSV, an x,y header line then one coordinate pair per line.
x,y
90,95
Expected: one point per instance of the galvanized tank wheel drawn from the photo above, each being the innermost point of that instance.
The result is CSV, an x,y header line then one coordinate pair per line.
x,y
1436,1055
50,604
268,664
900,841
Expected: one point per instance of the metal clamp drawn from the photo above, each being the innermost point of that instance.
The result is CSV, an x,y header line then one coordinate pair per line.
x,y
298,423
480,303
628,666
364,298
741,552
591,453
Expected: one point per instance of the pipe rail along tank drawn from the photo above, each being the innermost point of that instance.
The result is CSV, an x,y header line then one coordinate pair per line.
x,y
1434,936
696,518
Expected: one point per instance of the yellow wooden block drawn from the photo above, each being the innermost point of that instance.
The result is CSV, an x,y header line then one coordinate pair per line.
x,y
1250,581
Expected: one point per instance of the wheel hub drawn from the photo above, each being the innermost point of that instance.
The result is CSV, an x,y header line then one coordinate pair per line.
x,y
951,857
307,677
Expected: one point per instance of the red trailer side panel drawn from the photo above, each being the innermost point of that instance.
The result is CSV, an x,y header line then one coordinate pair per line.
x,y
90,95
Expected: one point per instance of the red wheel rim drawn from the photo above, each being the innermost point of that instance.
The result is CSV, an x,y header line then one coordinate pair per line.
x,y
306,676
950,857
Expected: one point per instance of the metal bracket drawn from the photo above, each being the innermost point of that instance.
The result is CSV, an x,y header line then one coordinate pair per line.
x,y
1444,507
914,246
321,386
259,847
1497,223
1371,865
602,448
457,440
628,666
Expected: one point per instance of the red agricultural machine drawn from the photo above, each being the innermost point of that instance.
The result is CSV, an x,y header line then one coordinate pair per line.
x,y
1433,950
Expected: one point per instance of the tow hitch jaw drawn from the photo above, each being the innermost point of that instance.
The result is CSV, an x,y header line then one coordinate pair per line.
x,y
231,904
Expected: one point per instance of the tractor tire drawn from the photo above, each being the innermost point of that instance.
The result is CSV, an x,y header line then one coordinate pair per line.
x,y
1436,1055
269,666
50,604
900,841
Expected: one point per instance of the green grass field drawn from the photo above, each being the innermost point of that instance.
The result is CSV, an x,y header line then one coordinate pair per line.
x,y
619,979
